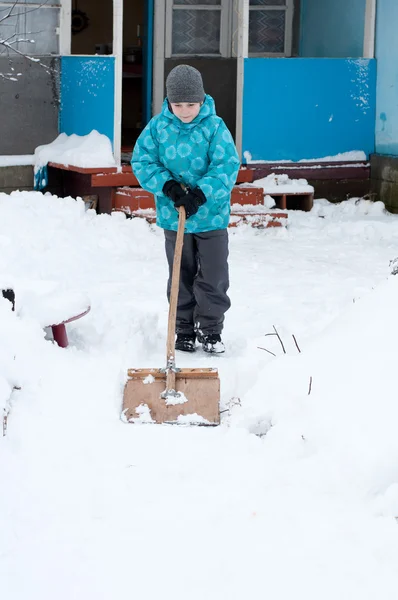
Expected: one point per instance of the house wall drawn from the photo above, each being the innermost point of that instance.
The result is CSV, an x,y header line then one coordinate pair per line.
x,y
87,95
332,28
308,108
29,106
387,77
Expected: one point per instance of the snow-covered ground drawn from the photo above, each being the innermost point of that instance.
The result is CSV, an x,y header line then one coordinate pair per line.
x,y
293,496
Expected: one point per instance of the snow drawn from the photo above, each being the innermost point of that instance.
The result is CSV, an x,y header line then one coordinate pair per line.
x,y
282,184
352,155
144,414
173,398
192,419
295,494
16,160
86,151
48,304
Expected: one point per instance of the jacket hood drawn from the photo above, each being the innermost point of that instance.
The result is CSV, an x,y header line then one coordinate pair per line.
x,y
207,109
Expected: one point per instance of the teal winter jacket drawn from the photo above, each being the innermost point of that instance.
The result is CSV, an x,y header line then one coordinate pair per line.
x,y
198,154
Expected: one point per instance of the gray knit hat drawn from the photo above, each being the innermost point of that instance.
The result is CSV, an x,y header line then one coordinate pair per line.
x,y
184,84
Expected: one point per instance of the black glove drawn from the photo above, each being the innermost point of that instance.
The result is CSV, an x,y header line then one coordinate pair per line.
x,y
173,190
191,201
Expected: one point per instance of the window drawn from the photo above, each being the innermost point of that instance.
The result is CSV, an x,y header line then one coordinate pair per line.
x,y
270,27
30,27
198,27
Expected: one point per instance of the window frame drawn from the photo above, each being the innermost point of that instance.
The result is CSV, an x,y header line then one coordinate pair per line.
x,y
225,8
289,9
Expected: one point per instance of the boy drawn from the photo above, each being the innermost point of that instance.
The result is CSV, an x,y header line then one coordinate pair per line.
x,y
186,157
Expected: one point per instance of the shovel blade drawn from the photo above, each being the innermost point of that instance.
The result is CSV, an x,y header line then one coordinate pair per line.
x,y
199,389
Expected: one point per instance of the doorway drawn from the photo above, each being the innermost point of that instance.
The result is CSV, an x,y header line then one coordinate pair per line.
x,y
92,34
133,75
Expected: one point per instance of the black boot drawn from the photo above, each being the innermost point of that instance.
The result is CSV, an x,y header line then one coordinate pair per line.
x,y
212,343
186,342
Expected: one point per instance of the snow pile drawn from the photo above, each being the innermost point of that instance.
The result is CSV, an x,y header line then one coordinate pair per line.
x,y
49,303
353,208
20,340
294,495
86,151
334,416
283,184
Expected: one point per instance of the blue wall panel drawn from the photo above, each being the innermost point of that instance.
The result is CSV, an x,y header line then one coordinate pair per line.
x,y
87,95
387,77
332,29
308,108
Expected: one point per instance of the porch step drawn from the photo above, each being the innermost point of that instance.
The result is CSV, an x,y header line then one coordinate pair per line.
x,y
129,199
247,195
258,220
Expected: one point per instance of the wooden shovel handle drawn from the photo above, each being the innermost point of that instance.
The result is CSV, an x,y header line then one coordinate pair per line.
x,y
175,284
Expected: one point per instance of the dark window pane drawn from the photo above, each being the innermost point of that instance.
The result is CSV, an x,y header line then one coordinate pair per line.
x,y
266,31
196,32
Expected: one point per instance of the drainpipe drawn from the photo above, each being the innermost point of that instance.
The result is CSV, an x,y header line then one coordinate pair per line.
x,y
370,25
117,51
242,8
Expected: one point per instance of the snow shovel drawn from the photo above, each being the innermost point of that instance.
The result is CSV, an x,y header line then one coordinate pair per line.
x,y
172,395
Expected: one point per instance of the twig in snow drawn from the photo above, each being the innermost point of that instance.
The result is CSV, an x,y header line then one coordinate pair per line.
x,y
394,265
279,338
310,386
5,423
265,350
295,341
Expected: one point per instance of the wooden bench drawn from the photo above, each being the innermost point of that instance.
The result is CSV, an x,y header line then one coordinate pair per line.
x,y
68,180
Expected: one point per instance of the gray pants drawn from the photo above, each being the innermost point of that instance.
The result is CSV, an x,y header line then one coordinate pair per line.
x,y
204,280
